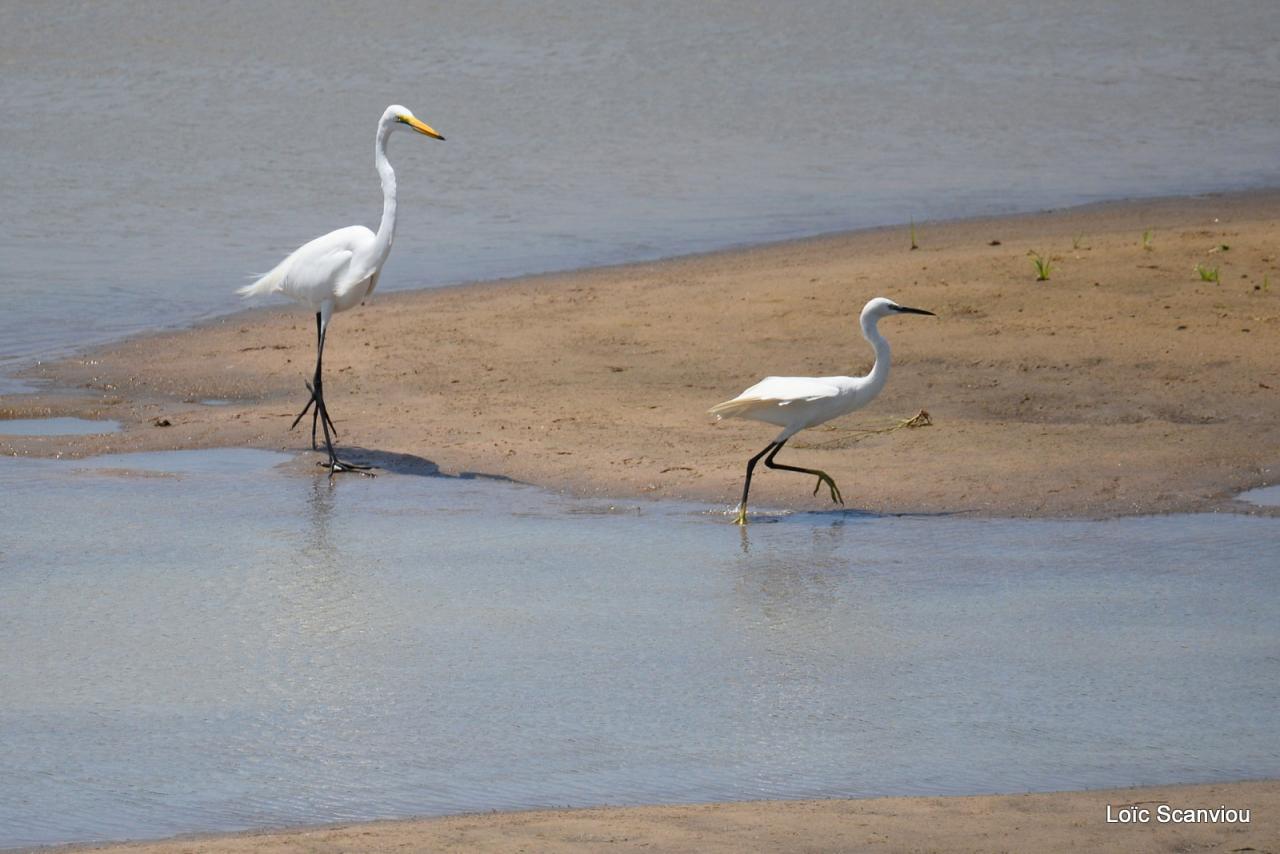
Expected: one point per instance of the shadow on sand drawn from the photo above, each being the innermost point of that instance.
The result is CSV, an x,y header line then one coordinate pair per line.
x,y
411,464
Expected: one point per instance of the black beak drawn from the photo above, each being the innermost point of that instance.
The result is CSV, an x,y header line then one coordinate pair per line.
x,y
905,310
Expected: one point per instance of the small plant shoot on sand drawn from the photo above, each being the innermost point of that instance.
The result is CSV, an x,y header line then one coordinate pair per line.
x,y
914,245
1207,274
1043,266
1146,239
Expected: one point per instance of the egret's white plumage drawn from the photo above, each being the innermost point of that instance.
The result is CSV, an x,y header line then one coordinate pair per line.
x,y
333,267
795,403
338,270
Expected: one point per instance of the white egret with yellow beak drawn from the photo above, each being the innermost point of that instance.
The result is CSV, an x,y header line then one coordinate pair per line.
x,y
337,271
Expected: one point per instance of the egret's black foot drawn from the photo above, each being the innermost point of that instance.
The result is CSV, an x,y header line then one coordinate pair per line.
x,y
823,477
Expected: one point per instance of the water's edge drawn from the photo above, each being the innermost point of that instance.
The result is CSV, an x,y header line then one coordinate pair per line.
x,y
14,373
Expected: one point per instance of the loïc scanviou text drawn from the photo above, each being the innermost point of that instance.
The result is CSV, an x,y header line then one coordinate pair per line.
x,y
1166,814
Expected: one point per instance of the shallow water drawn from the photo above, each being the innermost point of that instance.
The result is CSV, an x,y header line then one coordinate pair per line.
x,y
207,641
1266,496
62,426
155,155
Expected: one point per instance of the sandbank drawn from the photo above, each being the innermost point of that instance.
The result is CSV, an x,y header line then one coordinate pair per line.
x,y
1124,384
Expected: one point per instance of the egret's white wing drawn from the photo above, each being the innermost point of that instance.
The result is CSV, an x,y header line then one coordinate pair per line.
x,y
313,281
318,270
786,390
360,240
772,392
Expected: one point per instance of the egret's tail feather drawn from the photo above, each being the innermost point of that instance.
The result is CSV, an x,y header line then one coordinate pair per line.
x,y
269,283
739,407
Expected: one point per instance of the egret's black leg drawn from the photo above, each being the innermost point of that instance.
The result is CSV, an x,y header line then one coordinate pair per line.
x,y
822,476
321,410
321,415
746,486
317,391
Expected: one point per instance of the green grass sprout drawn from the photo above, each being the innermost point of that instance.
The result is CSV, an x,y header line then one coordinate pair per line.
x,y
1043,266
1207,274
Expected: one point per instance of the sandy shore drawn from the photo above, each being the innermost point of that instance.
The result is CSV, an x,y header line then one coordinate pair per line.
x,y
1124,384
1061,821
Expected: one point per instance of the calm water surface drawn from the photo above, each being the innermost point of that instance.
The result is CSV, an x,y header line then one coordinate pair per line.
x,y
1266,496
63,426
157,154
203,641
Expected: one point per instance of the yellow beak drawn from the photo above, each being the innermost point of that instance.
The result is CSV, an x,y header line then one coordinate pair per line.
x,y
420,127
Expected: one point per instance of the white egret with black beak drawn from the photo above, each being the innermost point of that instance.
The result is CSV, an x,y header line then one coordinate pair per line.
x,y
795,403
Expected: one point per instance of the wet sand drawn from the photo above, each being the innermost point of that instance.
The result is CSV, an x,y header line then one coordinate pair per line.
x,y
1061,821
1124,384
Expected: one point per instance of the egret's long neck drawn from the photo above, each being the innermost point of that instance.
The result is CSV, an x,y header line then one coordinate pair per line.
x,y
387,228
880,370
